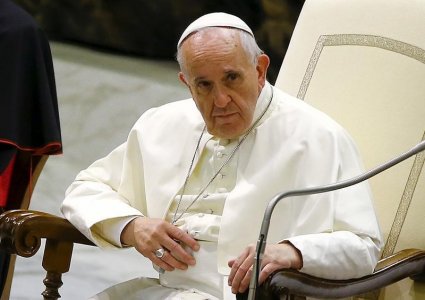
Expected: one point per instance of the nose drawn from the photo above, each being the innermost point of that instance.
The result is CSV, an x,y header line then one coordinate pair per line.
x,y
221,97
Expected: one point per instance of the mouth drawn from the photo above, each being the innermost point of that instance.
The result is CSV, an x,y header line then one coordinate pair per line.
x,y
223,114
226,118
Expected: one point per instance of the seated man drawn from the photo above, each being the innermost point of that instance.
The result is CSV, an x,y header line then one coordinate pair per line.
x,y
189,187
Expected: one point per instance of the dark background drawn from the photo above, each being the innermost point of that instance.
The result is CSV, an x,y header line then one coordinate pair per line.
x,y
151,28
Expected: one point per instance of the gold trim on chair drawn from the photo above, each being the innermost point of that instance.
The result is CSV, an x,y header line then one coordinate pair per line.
x,y
393,46
404,204
357,40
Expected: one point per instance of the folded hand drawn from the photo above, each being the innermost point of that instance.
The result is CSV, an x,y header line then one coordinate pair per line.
x,y
148,235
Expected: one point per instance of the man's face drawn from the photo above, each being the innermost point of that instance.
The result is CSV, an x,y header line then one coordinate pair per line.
x,y
223,80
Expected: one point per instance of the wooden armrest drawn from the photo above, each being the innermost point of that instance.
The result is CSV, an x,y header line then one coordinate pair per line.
x,y
21,232
403,264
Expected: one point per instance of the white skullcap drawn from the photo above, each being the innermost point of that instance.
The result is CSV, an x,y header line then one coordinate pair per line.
x,y
218,19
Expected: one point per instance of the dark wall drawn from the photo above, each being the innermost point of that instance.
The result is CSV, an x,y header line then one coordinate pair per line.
x,y
151,28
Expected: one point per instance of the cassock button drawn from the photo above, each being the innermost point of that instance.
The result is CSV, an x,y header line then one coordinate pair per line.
x,y
224,142
194,233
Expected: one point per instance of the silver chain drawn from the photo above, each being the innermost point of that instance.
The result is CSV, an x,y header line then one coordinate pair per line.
x,y
175,218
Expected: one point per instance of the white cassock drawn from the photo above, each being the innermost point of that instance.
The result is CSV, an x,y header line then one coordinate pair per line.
x,y
294,146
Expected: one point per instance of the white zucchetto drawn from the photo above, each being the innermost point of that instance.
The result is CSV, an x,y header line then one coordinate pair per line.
x,y
218,19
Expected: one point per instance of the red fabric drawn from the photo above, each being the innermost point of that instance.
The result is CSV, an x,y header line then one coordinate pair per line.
x,y
52,148
5,179
29,114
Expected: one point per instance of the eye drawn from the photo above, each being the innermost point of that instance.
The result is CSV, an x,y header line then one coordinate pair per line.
x,y
232,76
204,84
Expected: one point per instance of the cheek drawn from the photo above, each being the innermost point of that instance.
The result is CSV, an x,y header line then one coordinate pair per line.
x,y
204,106
249,103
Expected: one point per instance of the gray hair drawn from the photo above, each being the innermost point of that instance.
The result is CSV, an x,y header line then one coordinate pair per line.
x,y
248,43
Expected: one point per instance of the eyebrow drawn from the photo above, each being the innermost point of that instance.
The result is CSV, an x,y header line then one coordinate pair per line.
x,y
198,79
238,72
203,78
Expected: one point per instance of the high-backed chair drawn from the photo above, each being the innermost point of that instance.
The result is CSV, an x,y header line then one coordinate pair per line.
x,y
363,63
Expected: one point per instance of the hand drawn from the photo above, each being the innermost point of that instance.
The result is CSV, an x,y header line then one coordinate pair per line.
x,y
276,256
148,235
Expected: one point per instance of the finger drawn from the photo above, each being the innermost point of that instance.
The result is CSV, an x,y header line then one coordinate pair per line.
x,y
184,237
244,284
236,264
242,272
233,271
153,234
176,250
160,263
267,271
241,269
172,261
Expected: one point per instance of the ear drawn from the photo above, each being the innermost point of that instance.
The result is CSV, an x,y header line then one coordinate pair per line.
x,y
262,66
183,79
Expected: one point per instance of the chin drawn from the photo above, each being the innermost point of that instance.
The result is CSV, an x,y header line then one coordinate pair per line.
x,y
228,130
229,134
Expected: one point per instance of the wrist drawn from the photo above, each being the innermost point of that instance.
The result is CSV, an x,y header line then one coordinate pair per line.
x,y
127,234
296,256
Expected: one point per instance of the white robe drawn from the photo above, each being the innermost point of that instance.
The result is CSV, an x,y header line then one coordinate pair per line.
x,y
295,146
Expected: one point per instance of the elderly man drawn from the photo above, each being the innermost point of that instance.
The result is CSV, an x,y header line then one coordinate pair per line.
x,y
189,186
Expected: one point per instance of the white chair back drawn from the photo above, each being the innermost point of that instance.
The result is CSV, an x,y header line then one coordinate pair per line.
x,y
363,63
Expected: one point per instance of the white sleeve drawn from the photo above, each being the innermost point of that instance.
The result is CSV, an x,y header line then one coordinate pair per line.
x,y
97,195
110,229
337,255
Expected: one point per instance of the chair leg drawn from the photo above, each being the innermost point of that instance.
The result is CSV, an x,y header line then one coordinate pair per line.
x,y
53,282
56,261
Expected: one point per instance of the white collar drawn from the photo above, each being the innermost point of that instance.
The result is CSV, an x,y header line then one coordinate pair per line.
x,y
262,102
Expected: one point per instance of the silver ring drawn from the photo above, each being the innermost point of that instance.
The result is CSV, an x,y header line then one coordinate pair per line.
x,y
159,252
